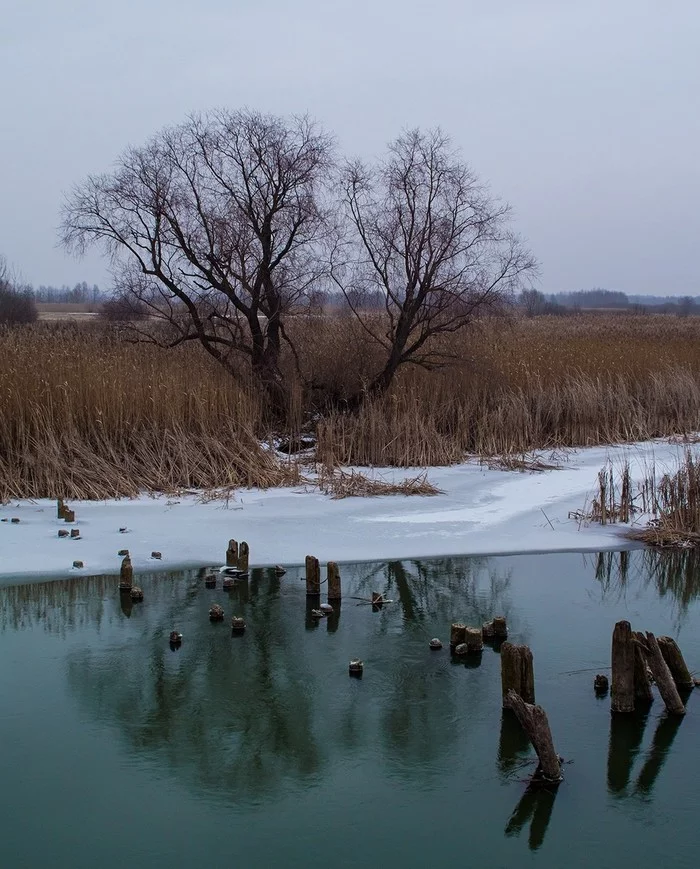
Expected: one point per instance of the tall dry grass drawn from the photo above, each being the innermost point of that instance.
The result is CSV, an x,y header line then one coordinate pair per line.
x,y
85,415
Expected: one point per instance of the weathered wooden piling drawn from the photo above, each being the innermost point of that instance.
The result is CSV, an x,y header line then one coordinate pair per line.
x,y
313,576
75,533
156,555
210,580
622,695
676,663
333,575
662,677
474,640
60,509
496,629
232,554
68,515
175,638
643,695
533,720
356,667
78,565
517,672
457,634
237,624
216,613
63,532
126,574
243,557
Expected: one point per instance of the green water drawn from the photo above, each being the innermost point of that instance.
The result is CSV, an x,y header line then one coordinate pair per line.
x,y
260,750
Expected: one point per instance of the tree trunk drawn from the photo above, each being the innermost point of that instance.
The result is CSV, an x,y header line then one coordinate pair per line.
x,y
663,678
676,663
533,720
622,695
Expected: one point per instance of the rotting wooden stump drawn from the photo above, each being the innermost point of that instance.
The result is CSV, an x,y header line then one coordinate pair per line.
x,y
126,574
216,613
75,533
623,643
474,640
63,532
333,578
517,672
210,580
457,634
228,582
78,565
356,668
313,576
662,677
243,557
643,695
237,625
496,629
676,663
69,515
232,554
601,684
157,556
14,520
533,720
136,593
61,509
175,638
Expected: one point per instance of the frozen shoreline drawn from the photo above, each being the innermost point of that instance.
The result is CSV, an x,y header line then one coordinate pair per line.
x,y
482,512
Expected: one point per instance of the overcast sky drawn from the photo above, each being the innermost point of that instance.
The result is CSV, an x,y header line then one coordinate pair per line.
x,y
583,115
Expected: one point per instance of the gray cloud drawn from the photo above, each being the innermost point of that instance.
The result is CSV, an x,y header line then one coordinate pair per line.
x,y
582,115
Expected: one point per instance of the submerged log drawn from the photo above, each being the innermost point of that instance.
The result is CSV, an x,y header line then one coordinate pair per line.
x,y
313,576
533,720
662,677
622,668
643,695
232,554
333,575
517,672
676,663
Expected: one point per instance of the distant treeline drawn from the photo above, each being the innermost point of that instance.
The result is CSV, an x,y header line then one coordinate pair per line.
x,y
535,303
81,293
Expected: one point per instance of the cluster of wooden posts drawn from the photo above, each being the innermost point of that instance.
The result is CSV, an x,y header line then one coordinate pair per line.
x,y
637,659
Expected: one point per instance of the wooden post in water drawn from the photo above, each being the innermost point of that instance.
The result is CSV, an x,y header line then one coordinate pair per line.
x,y
676,663
126,574
517,672
662,677
458,633
643,695
622,695
474,639
232,554
313,576
243,557
500,628
333,575
533,720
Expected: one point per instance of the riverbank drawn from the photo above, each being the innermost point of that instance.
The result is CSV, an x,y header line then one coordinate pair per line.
x,y
480,512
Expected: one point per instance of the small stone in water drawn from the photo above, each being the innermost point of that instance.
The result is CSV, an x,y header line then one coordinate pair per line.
x,y
462,649
435,643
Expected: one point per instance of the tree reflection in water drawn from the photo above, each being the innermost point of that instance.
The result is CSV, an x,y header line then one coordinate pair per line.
x,y
244,717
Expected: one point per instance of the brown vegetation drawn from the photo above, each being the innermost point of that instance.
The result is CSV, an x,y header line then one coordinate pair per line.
x,y
85,415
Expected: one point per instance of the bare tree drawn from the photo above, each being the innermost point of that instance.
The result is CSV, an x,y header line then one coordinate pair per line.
x,y
432,241
213,226
17,302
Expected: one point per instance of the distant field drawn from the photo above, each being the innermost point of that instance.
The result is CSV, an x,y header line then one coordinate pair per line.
x,y
67,310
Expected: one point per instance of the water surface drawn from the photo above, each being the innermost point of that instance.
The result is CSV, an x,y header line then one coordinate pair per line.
x,y
260,750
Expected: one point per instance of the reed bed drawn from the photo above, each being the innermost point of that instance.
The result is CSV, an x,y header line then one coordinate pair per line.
x,y
83,414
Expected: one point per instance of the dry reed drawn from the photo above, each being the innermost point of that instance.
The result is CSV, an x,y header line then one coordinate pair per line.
x,y
85,415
